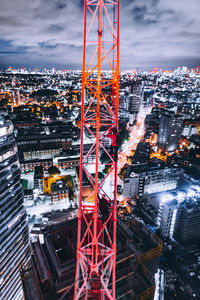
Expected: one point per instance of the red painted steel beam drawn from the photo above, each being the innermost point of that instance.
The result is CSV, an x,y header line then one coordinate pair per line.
x,y
96,240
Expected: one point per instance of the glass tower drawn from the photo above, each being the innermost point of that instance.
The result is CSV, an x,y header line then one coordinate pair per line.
x,y
14,240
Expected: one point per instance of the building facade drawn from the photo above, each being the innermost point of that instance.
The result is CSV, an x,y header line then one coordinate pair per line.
x,y
187,226
167,217
169,132
59,192
38,178
14,240
136,94
149,180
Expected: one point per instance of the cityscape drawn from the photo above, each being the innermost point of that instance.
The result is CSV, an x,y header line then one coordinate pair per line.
x,y
100,175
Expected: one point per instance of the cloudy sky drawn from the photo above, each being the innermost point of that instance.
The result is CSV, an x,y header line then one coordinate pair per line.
x,y
47,33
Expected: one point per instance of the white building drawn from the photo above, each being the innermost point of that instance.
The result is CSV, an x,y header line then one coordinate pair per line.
x,y
189,130
131,185
145,181
167,217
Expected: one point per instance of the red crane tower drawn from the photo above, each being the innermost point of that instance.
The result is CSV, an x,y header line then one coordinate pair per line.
x,y
97,214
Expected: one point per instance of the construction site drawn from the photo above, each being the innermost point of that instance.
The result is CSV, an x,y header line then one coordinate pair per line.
x,y
51,273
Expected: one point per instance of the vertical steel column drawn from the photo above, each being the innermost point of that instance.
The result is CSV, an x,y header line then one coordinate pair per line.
x,y
96,239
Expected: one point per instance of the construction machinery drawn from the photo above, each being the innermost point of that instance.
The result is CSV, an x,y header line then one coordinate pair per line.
x,y
97,213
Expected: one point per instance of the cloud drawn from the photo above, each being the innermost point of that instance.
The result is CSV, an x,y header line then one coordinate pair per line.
x,y
156,28
49,33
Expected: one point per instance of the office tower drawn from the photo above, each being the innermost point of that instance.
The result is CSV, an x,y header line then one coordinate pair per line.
x,y
14,241
169,132
187,226
135,100
167,217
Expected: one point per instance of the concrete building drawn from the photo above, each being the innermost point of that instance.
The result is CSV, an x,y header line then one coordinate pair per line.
x,y
189,130
28,196
38,178
144,180
14,241
52,272
167,217
187,226
59,191
136,94
189,177
67,162
46,142
142,154
29,165
169,132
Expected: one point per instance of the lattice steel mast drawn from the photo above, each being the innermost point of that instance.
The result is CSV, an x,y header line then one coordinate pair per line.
x,y
96,244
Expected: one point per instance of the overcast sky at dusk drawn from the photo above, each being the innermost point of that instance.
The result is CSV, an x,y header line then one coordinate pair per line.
x,y
47,33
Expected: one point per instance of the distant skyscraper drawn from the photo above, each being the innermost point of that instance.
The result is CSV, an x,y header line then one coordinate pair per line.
x,y
135,101
169,132
14,241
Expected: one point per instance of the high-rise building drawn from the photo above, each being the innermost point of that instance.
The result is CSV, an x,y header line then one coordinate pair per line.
x,y
167,217
148,98
187,226
14,240
135,101
169,132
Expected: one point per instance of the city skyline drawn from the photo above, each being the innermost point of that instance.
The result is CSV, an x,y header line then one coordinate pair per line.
x,y
153,34
158,182
100,156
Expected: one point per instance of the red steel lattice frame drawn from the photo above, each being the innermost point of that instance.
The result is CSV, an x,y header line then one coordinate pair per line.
x,y
96,241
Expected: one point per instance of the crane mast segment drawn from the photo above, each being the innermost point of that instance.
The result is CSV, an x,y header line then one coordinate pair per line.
x,y
97,214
